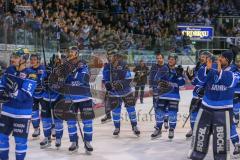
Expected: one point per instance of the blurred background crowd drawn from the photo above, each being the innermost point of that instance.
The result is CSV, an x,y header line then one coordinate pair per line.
x,y
90,22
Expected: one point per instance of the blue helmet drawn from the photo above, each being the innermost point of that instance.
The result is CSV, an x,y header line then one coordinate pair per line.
x,y
22,52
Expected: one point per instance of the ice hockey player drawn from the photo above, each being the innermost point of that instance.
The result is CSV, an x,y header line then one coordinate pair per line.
x,y
214,116
49,99
35,61
117,78
140,78
82,103
236,108
18,82
196,100
169,99
107,117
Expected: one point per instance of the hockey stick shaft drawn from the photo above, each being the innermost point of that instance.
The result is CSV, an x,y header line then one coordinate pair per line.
x,y
80,129
1,109
151,110
190,112
45,63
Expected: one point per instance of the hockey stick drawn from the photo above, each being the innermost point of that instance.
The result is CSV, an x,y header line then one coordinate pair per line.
x,y
1,108
150,110
45,63
190,112
163,73
77,119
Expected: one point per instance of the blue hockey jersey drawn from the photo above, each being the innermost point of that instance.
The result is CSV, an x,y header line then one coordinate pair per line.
x,y
80,78
48,94
118,74
236,71
196,80
175,81
219,87
40,71
163,72
20,105
158,72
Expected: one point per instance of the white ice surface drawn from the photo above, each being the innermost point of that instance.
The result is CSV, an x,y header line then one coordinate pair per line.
x,y
127,146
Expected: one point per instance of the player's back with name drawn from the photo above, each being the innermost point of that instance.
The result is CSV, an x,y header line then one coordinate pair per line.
x,y
219,87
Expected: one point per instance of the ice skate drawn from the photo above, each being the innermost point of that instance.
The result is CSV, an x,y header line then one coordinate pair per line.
x,y
74,147
36,133
157,133
46,142
171,133
106,119
116,132
136,131
58,143
88,147
189,134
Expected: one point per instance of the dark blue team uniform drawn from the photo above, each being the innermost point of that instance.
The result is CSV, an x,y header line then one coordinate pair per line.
x,y
40,71
80,78
121,76
214,117
167,101
16,113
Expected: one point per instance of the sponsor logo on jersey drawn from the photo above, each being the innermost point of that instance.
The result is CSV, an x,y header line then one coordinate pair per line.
x,y
216,87
75,83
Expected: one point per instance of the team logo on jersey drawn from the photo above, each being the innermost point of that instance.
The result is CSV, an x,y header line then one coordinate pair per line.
x,y
40,72
22,75
80,65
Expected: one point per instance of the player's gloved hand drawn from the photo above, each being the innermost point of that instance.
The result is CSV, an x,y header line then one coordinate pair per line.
x,y
236,96
198,65
4,97
163,84
11,86
39,88
179,70
117,86
46,83
199,91
108,86
236,119
189,74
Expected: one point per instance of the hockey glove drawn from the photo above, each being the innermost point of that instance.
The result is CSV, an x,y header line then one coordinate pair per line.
x,y
198,65
199,91
189,74
179,70
236,96
117,85
11,86
39,89
163,84
108,86
3,96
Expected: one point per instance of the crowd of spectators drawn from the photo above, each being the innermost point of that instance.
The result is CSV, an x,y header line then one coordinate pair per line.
x,y
146,24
